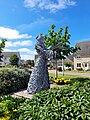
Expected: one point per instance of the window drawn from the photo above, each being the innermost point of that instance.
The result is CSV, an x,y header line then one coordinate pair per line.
x,y
60,64
85,64
5,58
78,56
78,64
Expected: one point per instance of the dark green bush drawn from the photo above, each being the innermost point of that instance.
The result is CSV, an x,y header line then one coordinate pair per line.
x,y
67,103
13,79
69,69
79,69
59,69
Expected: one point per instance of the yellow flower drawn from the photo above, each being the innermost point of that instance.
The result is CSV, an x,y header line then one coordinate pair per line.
x,y
6,112
5,118
1,104
62,78
65,81
14,110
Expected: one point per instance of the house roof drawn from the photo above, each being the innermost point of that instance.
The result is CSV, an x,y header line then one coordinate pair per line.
x,y
85,48
8,54
67,59
70,57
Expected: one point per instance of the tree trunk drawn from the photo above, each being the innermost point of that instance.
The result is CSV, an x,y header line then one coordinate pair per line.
x,y
62,67
56,69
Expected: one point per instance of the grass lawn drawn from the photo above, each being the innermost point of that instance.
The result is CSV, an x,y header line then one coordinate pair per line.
x,y
82,71
66,76
73,78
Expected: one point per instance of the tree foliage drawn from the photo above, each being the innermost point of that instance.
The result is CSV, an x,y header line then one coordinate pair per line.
x,y
60,40
2,45
30,62
14,60
59,43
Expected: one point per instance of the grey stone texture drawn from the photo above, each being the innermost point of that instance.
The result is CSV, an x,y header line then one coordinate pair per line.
x,y
39,79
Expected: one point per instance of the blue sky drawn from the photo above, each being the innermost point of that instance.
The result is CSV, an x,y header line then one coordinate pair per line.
x,y
22,20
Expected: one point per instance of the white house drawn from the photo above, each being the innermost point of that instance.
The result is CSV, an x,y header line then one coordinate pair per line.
x,y
6,56
82,57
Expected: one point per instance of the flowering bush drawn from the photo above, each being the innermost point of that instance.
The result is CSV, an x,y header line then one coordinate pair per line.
x,y
61,81
8,107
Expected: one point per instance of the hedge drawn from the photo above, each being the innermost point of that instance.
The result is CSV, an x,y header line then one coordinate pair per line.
x,y
13,79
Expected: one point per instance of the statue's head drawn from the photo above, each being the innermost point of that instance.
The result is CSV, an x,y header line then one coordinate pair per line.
x,y
40,38
40,47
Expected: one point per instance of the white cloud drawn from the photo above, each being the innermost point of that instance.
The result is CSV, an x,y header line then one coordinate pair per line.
x,y
27,57
26,50
9,33
19,43
26,43
30,3
51,5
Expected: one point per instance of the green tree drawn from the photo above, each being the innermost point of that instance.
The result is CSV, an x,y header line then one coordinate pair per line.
x,y
59,43
14,60
30,62
2,45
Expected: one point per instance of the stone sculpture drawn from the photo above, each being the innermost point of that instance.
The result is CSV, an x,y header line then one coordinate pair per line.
x,y
39,79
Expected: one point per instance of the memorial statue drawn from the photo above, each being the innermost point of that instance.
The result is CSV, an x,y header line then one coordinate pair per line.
x,y
39,79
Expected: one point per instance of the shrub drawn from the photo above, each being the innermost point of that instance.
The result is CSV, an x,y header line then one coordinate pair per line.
x,y
13,79
50,66
68,64
79,69
59,69
8,107
67,103
69,69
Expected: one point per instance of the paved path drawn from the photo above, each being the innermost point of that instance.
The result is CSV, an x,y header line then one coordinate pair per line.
x,y
73,73
23,93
